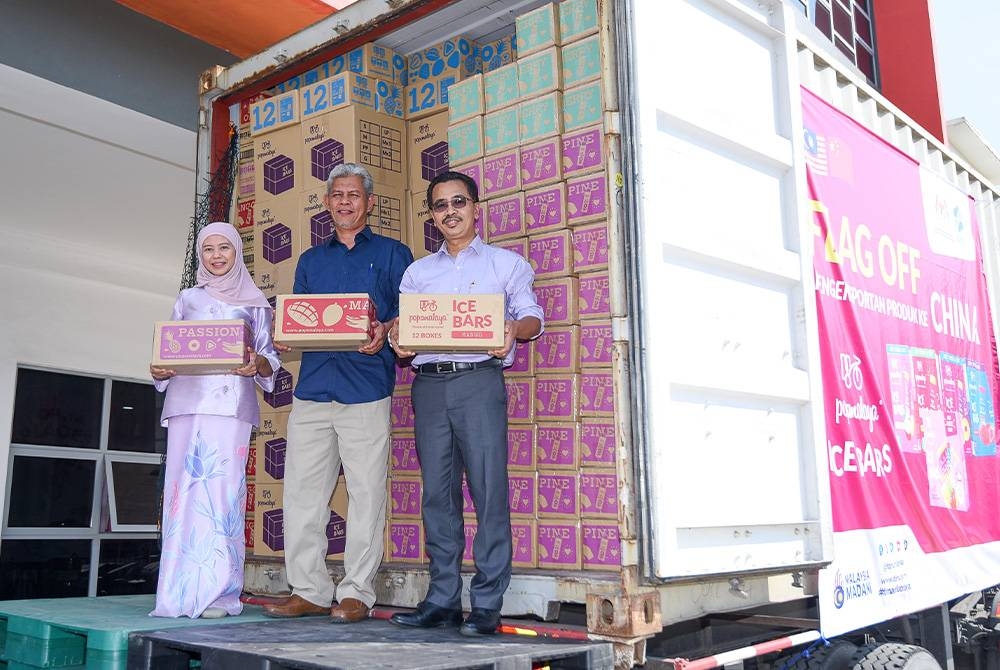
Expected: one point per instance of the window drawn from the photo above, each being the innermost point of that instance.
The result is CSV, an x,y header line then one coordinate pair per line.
x,y
83,487
848,24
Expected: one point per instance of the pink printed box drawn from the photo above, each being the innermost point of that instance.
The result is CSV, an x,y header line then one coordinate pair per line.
x,y
559,545
558,495
522,494
404,497
596,343
505,217
524,361
597,442
595,296
599,494
521,448
558,299
586,198
551,254
469,528
401,410
404,375
556,397
251,470
597,394
523,533
590,247
583,151
557,446
602,546
473,169
558,350
201,347
501,173
468,507
545,209
406,541
250,504
403,455
284,386
541,163
518,245
520,400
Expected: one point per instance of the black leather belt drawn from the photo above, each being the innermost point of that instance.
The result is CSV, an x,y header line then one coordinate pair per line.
x,y
445,367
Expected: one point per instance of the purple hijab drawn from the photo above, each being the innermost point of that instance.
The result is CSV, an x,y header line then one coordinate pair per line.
x,y
236,287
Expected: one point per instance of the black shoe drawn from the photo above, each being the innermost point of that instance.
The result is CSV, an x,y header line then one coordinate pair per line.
x,y
428,615
481,622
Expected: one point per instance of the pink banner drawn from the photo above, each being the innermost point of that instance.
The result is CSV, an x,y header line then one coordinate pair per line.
x,y
906,339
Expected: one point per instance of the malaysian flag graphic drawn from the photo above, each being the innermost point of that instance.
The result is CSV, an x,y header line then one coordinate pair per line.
x,y
816,152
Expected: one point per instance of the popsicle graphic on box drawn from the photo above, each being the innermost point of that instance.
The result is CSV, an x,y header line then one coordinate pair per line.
x,y
902,396
927,395
520,446
982,419
954,399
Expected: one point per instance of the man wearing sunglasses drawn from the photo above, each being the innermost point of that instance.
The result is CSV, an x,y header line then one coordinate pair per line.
x,y
460,406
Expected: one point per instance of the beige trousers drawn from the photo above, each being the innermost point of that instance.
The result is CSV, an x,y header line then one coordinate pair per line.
x,y
321,437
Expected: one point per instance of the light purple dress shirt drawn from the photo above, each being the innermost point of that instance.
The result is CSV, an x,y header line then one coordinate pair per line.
x,y
220,395
479,268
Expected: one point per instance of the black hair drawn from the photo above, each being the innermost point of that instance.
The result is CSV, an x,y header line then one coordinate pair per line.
x,y
451,175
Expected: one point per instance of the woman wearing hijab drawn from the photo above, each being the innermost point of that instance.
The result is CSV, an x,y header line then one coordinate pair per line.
x,y
209,419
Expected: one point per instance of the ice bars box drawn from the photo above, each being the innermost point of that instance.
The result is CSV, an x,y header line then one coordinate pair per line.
x,y
451,322
326,322
203,347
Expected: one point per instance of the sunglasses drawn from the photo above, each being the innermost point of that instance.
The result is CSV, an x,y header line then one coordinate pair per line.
x,y
458,202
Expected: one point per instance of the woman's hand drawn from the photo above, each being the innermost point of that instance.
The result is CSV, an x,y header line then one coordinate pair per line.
x,y
258,365
161,374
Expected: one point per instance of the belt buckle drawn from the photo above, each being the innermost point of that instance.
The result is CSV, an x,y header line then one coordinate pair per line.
x,y
444,366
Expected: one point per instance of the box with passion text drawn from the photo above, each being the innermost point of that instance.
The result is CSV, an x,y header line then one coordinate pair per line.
x,y
403,455
541,163
505,217
599,494
597,442
201,347
451,322
557,397
597,394
590,247
551,254
558,299
557,446
558,350
324,322
559,545
545,209
521,448
520,400
602,546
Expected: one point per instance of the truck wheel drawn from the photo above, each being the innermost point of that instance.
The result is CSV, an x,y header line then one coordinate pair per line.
x,y
837,655
892,656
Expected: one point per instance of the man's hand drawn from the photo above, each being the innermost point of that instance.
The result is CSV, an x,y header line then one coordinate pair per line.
x,y
509,338
378,339
394,341
161,374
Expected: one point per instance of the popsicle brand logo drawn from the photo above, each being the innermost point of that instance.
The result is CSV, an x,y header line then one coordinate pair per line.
x,y
428,305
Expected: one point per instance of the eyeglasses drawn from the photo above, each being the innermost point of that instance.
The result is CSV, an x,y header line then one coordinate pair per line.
x,y
458,202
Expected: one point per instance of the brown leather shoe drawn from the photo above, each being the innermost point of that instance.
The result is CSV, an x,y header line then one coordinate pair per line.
x,y
294,606
349,610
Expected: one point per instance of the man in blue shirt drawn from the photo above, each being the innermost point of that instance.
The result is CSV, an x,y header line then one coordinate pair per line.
x,y
460,406
341,414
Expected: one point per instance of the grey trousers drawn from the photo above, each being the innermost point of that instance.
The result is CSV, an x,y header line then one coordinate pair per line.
x,y
461,425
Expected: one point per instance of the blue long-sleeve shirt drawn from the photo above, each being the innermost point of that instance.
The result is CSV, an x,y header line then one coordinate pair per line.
x,y
375,266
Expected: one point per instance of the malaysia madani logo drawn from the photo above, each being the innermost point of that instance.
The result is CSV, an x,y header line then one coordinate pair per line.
x,y
851,586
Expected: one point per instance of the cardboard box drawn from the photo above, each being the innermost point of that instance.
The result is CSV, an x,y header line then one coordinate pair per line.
x,y
596,344
590,247
475,170
500,130
269,520
597,393
245,104
577,18
336,92
273,279
247,237
404,497
451,322
517,245
551,254
324,322
522,494
353,135
582,106
557,397
594,296
456,56
599,494
401,410
315,221
249,504
500,88
271,114
469,528
388,215
465,99
369,59
468,507
587,199
201,347
602,545
524,360
525,550
558,495
541,117
597,442
537,30
539,73
276,166
521,448
581,61
501,173
583,151
545,209
424,237
557,446
505,217
271,443
244,214
520,400
251,469
248,534
280,399
559,299
406,541
541,163
245,178
405,374
465,140
427,148
557,350
403,455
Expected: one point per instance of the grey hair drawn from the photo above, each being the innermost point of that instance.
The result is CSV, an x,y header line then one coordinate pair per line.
x,y
351,170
